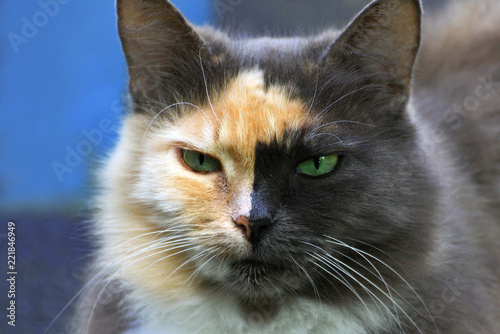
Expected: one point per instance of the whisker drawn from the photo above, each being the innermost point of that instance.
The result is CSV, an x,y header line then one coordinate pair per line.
x,y
338,122
206,86
343,281
189,261
320,273
195,273
370,293
338,100
328,135
160,244
387,266
177,246
316,292
130,261
314,97
392,270
375,296
378,274
96,276
167,108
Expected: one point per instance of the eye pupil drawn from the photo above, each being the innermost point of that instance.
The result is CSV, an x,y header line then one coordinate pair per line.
x,y
317,162
201,159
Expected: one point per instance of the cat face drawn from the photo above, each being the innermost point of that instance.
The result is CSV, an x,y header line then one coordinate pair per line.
x,y
262,164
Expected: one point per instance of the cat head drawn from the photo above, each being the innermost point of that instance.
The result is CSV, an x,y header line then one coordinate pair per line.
x,y
260,166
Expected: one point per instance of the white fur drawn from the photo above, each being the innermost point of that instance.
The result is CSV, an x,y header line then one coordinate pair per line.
x,y
215,315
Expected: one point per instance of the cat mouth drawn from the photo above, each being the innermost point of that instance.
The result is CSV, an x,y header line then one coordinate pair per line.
x,y
249,262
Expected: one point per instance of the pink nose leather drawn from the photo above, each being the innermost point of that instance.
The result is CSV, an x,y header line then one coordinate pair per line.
x,y
244,224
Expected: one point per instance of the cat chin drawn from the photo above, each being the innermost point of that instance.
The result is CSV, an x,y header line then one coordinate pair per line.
x,y
252,281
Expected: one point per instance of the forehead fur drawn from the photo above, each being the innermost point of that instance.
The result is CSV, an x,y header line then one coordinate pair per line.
x,y
247,113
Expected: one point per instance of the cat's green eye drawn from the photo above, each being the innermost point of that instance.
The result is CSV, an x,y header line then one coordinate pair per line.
x,y
319,166
200,162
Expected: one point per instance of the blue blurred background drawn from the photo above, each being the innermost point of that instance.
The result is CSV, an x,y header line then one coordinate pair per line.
x,y
62,95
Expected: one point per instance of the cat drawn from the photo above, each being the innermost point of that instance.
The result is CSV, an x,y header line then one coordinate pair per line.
x,y
342,183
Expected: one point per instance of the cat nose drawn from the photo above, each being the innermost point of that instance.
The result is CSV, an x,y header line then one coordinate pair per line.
x,y
253,229
244,224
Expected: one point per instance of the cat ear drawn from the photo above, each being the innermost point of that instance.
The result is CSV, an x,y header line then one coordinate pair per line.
x,y
383,42
162,50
